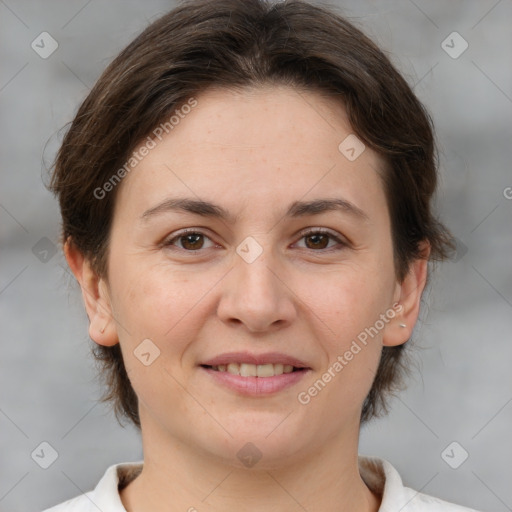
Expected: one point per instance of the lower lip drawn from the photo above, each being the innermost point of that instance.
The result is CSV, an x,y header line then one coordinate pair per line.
x,y
256,386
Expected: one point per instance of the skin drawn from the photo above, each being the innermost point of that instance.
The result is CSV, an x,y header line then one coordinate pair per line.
x,y
252,152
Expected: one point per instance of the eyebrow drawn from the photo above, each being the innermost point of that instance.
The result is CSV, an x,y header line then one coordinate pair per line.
x,y
296,209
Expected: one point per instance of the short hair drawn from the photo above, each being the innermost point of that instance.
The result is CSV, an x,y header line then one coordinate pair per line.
x,y
234,44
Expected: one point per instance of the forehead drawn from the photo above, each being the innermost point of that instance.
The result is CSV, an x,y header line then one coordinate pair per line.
x,y
268,145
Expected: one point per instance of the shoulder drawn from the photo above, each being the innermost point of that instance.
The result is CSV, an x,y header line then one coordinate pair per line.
x,y
382,478
105,495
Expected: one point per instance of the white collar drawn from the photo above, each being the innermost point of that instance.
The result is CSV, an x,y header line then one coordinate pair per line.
x,y
378,474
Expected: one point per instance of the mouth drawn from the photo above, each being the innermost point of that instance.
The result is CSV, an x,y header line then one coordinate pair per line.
x,y
254,375
255,370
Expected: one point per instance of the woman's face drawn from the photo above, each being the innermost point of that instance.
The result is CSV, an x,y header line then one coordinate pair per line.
x,y
287,263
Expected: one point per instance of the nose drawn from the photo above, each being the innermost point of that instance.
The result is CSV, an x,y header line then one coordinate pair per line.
x,y
257,296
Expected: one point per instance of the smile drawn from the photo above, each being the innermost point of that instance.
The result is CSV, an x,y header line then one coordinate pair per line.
x,y
254,380
254,370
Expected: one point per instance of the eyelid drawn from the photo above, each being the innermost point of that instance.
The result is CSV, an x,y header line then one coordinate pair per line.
x,y
307,231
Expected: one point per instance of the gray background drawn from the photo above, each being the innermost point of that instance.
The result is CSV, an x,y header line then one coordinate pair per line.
x,y
462,388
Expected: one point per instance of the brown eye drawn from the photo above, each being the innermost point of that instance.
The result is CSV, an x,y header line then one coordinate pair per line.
x,y
317,241
321,240
192,242
189,241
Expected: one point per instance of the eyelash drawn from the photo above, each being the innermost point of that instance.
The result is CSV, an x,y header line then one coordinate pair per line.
x,y
168,243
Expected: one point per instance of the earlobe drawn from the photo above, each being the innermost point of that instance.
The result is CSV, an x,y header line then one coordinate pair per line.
x,y
102,327
408,297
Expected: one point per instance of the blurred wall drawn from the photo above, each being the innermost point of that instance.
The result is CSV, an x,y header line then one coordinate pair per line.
x,y
462,388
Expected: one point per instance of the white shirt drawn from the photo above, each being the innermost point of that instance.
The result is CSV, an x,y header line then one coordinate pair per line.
x,y
378,474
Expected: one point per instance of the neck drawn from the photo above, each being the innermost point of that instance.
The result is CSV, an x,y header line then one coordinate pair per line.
x,y
178,478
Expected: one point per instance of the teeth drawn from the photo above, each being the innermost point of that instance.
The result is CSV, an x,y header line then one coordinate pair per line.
x,y
263,370
248,370
279,369
254,370
234,368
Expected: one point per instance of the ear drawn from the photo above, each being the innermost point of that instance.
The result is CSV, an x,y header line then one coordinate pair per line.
x,y
407,299
102,327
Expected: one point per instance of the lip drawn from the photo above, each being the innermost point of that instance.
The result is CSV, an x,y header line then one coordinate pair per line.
x,y
247,357
256,386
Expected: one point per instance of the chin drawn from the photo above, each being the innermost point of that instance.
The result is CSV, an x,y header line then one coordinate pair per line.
x,y
259,442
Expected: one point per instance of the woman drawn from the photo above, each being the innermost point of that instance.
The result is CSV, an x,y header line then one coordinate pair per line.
x,y
246,201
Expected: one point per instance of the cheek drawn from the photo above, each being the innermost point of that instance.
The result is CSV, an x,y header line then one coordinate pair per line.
x,y
345,313
158,303
350,299
346,307
153,303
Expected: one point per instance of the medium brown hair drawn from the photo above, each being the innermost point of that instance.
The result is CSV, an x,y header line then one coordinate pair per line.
x,y
235,44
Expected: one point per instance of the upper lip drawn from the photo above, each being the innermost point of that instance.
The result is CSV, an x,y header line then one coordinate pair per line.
x,y
248,358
